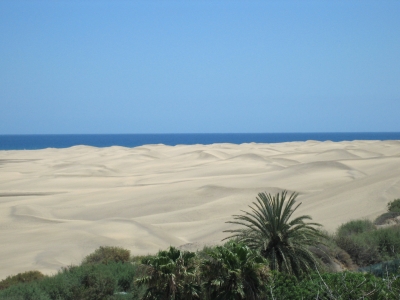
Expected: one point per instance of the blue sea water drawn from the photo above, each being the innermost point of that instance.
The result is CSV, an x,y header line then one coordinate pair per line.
x,y
20,142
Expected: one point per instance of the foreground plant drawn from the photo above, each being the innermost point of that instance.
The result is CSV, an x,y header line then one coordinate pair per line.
x,y
233,271
269,229
332,286
170,275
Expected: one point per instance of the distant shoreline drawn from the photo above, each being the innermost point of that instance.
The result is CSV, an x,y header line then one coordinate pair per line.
x,y
43,141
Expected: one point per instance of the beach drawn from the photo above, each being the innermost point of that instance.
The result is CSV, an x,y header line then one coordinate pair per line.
x,y
59,205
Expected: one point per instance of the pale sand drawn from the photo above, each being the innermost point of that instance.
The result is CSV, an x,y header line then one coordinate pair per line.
x,y
58,205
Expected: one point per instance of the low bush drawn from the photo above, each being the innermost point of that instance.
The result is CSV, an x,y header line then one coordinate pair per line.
x,y
366,245
361,252
330,254
382,219
344,258
21,278
97,283
92,281
355,227
394,206
343,286
105,255
322,252
387,240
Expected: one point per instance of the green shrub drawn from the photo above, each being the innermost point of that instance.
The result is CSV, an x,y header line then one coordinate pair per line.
x,y
354,238
29,291
97,284
343,286
371,247
91,281
21,278
354,285
330,254
394,206
322,253
386,216
387,241
170,274
344,258
361,252
355,227
232,271
65,285
105,255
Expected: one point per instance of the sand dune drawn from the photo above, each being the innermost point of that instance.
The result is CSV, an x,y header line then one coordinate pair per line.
x,y
58,205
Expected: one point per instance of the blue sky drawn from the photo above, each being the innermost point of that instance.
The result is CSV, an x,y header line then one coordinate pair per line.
x,y
199,66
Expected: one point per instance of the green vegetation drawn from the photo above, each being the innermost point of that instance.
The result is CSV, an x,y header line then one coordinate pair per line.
x,y
394,206
96,281
258,263
284,242
170,275
340,286
21,278
367,244
384,218
105,255
233,271
355,227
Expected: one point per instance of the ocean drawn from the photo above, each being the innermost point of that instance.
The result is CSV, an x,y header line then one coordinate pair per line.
x,y
42,141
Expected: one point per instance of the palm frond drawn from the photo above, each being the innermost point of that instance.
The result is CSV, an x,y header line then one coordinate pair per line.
x,y
270,229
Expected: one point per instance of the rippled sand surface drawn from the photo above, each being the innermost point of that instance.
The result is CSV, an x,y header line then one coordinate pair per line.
x,y
58,205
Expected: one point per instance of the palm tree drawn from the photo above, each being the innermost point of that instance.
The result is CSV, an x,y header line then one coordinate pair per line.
x,y
233,271
284,242
170,275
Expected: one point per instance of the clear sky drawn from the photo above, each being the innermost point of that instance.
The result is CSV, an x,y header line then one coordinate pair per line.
x,y
199,66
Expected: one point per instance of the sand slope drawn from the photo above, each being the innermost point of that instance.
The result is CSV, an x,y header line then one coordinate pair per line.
x,y
58,205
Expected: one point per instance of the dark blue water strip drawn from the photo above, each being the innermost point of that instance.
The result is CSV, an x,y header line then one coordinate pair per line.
x,y
20,142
